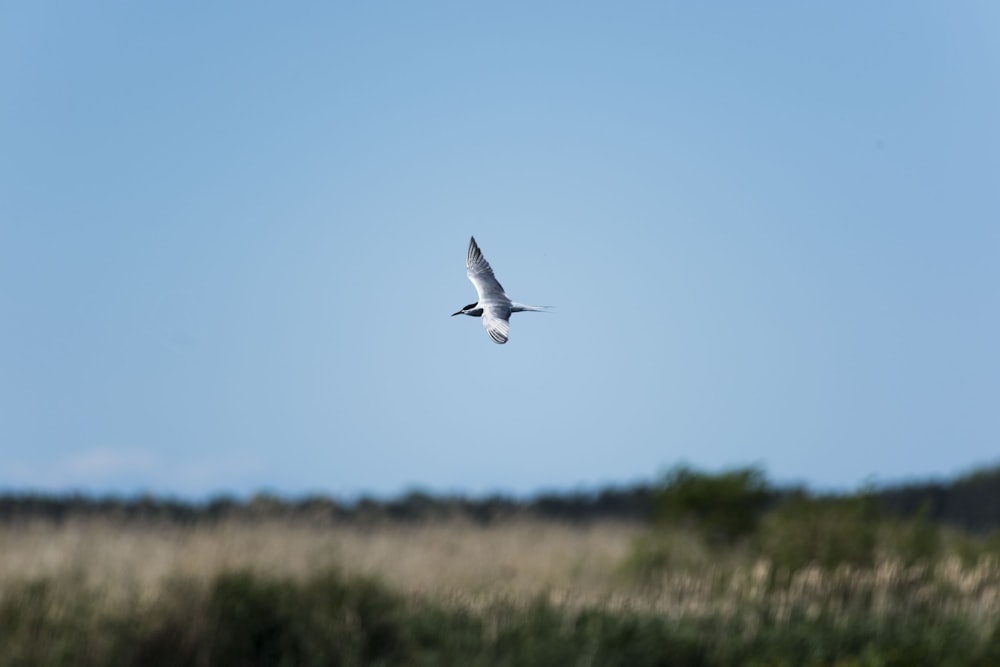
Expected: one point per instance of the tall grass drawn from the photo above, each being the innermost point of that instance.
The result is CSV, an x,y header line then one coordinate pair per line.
x,y
443,557
93,591
328,618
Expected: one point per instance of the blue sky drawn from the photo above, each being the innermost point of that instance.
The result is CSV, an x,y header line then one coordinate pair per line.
x,y
232,234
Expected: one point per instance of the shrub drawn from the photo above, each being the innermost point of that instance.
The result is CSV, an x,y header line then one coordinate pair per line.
x,y
262,621
723,508
827,531
918,538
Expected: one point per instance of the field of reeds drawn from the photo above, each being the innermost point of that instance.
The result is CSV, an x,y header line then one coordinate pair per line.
x,y
743,579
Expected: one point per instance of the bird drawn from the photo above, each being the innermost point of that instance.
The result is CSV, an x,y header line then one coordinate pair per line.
x,y
494,306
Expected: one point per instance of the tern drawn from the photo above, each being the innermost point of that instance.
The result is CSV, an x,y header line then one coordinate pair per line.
x,y
494,306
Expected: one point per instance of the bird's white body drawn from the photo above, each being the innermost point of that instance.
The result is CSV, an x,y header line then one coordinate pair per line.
x,y
494,306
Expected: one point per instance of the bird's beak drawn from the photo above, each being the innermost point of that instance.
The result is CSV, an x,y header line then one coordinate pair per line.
x,y
458,313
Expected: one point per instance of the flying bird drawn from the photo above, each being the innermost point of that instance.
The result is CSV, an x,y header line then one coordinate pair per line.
x,y
493,306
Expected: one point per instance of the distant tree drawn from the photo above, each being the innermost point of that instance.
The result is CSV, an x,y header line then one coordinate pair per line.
x,y
971,501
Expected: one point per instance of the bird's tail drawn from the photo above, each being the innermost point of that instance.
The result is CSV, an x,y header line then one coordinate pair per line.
x,y
520,307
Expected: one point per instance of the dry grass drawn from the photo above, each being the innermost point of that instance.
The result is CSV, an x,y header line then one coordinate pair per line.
x,y
453,557
473,565
521,591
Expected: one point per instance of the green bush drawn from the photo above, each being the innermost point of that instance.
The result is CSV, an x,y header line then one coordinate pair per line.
x,y
917,539
261,621
826,531
723,508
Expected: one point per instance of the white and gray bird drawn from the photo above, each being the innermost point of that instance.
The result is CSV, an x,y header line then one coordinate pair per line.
x,y
493,306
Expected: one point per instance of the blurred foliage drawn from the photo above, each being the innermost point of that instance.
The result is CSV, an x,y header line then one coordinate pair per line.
x,y
632,503
724,508
736,513
243,619
917,539
803,530
970,502
749,575
666,549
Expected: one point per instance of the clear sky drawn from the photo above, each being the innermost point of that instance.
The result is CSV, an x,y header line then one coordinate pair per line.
x,y
232,235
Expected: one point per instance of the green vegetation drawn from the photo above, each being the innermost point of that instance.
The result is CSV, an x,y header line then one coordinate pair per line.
x,y
736,514
719,569
241,618
723,508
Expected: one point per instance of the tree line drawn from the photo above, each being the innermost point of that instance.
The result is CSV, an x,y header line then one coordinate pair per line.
x,y
970,502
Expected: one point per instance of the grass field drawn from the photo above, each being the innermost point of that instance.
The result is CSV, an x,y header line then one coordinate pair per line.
x,y
520,557
450,591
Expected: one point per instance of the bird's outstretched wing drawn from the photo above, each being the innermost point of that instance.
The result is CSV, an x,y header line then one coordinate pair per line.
x,y
481,275
495,304
496,324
